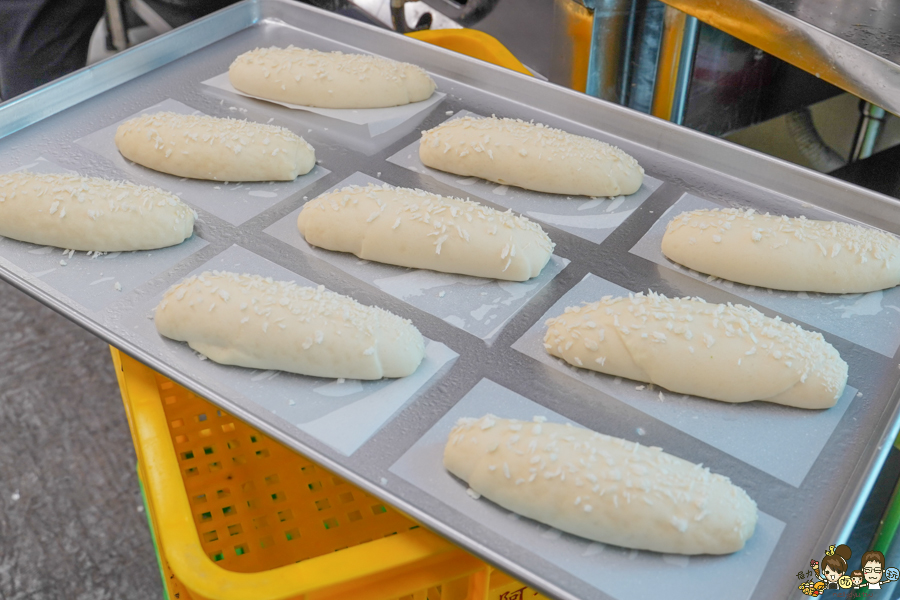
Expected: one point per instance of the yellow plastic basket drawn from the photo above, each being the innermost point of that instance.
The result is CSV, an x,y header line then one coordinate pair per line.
x,y
238,516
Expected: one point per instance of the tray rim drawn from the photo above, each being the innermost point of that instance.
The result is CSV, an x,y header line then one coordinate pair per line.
x,y
664,137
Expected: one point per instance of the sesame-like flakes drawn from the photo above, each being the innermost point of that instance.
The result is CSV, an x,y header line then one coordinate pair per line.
x,y
644,470
105,194
801,350
556,143
450,211
360,65
261,294
859,240
204,129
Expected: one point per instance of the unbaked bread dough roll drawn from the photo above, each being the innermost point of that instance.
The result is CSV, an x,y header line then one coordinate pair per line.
x,y
90,214
328,79
726,352
255,322
531,156
203,147
784,253
413,228
600,487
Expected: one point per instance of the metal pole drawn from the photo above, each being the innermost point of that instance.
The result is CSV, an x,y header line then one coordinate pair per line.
x,y
871,120
115,20
625,69
678,48
685,69
610,46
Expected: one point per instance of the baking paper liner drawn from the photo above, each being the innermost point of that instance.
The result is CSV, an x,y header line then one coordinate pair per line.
x,y
476,305
234,202
619,572
869,320
780,440
376,120
593,219
342,414
92,281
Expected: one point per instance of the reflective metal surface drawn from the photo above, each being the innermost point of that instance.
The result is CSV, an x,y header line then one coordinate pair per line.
x,y
571,38
852,44
871,120
651,57
612,37
678,48
820,511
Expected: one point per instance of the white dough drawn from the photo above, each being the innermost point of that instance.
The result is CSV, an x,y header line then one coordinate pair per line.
x,y
732,353
328,79
600,487
203,147
531,156
784,253
255,322
90,214
413,228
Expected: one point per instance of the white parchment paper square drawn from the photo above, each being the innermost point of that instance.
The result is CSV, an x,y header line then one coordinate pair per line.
x,y
621,573
476,305
593,219
341,414
869,320
376,120
91,281
234,202
780,440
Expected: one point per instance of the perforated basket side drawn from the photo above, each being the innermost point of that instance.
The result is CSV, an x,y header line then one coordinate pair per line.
x,y
207,498
258,505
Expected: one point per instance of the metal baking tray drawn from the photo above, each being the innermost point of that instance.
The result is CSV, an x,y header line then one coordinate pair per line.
x,y
805,507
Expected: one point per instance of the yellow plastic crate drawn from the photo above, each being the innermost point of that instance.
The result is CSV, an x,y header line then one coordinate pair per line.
x,y
238,516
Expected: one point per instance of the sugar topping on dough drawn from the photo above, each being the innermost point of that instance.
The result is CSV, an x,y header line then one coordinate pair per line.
x,y
637,473
447,216
553,144
259,323
831,237
90,214
234,134
287,62
656,318
262,297
600,487
212,148
328,79
105,195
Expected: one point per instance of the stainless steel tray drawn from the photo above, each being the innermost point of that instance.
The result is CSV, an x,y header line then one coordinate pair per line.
x,y
817,507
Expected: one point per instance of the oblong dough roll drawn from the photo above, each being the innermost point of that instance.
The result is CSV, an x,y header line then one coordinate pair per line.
x,y
90,214
531,156
732,353
413,228
203,147
328,79
600,487
256,322
783,253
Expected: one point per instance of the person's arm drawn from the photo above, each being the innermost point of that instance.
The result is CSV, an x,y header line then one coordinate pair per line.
x,y
815,567
42,40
